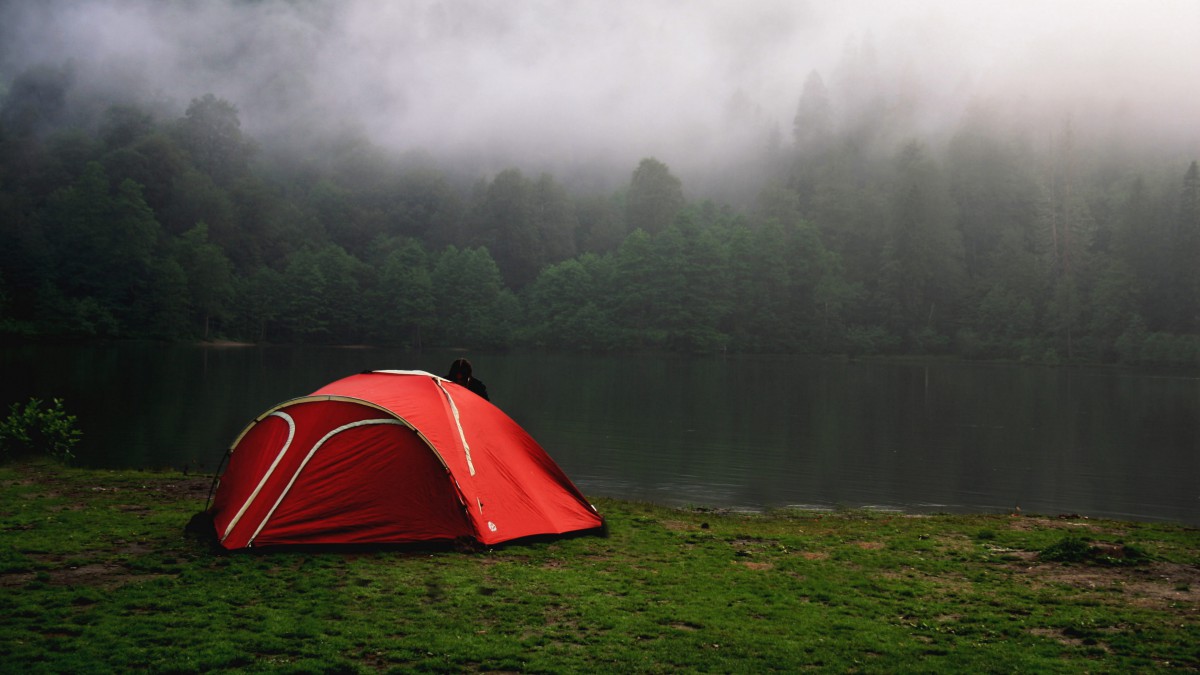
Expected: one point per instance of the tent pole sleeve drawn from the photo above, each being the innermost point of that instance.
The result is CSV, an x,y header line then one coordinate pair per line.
x,y
458,422
266,476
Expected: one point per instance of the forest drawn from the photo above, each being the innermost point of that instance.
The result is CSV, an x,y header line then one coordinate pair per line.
x,y
989,239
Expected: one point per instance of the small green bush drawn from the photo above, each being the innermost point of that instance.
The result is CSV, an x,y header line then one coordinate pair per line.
x,y
1067,549
1075,549
33,428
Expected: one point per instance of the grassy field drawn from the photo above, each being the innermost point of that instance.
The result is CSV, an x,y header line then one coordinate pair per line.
x,y
96,575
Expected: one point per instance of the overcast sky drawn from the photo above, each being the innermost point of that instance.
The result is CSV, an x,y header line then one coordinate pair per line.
x,y
617,79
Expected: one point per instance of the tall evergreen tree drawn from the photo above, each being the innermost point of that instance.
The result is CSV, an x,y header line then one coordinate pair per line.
x,y
1067,228
923,256
211,133
565,306
655,197
638,288
403,301
1185,252
601,223
812,126
208,276
258,303
759,279
991,186
163,303
506,226
553,219
473,307
323,295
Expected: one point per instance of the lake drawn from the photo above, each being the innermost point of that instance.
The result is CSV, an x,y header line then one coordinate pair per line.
x,y
744,432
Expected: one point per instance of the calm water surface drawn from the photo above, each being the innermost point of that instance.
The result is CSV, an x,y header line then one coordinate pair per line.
x,y
739,432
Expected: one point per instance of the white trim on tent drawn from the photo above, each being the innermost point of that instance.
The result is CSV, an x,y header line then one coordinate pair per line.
x,y
316,446
266,476
458,422
410,372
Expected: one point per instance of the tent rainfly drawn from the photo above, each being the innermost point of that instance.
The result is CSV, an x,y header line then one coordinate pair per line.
x,y
391,457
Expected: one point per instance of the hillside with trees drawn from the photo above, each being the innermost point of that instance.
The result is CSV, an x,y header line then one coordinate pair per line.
x,y
991,238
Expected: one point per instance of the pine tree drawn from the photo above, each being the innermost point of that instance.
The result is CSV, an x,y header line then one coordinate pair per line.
x,y
655,197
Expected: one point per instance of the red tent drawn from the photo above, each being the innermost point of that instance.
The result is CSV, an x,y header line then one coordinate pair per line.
x,y
391,457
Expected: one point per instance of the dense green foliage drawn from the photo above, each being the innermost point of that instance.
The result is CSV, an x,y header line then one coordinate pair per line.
x,y
95,576
32,428
119,220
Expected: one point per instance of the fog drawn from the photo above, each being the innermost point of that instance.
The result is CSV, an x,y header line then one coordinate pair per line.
x,y
562,85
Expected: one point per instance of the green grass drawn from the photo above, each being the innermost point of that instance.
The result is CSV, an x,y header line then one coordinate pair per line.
x,y
96,576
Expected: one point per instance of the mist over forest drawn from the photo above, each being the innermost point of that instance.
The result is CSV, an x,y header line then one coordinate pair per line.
x,y
591,88
995,180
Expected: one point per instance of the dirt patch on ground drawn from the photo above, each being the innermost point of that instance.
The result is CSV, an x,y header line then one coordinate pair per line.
x,y
1157,585
1066,637
173,489
105,576
1067,523
16,579
190,489
679,525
